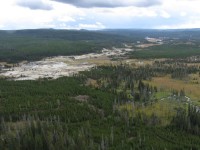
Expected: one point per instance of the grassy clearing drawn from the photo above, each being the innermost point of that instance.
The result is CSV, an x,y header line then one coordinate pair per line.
x,y
162,94
167,84
167,51
195,78
163,109
103,60
138,62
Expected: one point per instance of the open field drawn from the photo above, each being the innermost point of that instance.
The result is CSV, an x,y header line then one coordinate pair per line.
x,y
147,45
55,67
167,50
168,84
165,110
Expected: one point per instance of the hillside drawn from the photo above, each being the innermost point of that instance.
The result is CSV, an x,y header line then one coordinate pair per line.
x,y
22,45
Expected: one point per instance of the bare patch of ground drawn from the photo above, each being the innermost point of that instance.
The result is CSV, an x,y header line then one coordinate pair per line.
x,y
141,62
82,98
55,67
44,69
147,45
153,40
91,82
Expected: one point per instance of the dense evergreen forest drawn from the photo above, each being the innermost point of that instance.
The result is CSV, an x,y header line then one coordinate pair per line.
x,y
139,34
19,45
98,109
132,102
32,45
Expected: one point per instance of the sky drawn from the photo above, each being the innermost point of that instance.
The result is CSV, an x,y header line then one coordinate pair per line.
x,y
99,14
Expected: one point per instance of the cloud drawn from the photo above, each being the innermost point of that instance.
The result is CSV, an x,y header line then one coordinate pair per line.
x,y
34,4
147,3
111,3
95,26
164,14
97,14
183,25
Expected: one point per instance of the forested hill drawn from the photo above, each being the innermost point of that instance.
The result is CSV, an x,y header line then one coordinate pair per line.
x,y
107,34
138,34
18,45
35,44
71,35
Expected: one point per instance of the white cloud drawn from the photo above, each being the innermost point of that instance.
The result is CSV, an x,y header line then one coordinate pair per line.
x,y
111,3
169,14
186,25
66,19
35,4
13,16
95,26
164,14
183,14
125,12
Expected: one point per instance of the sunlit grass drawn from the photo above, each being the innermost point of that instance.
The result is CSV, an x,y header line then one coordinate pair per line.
x,y
168,84
165,110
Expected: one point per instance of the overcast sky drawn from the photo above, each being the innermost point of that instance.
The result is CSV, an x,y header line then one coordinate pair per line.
x,y
99,14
